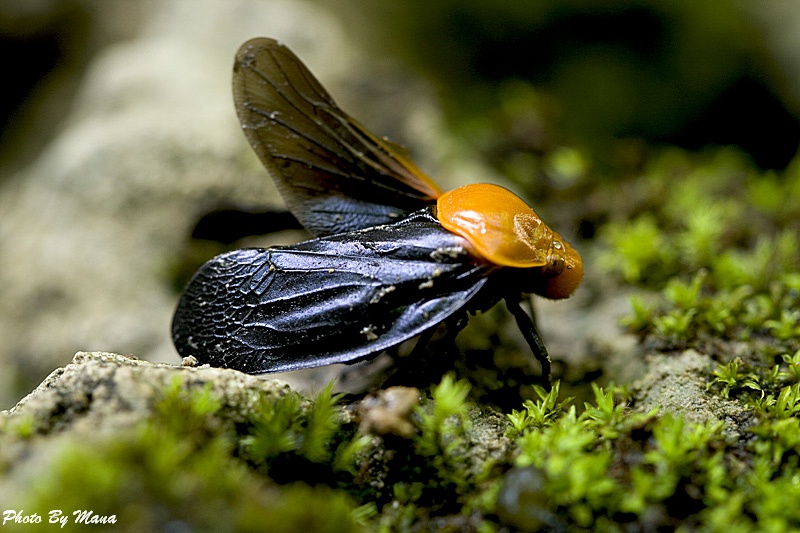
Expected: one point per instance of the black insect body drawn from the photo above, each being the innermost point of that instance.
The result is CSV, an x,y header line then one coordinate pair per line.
x,y
393,258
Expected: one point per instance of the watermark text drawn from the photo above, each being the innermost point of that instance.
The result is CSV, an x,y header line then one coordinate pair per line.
x,y
57,517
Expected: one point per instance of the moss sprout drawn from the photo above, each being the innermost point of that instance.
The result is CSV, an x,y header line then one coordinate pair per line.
x,y
441,445
442,423
733,376
537,414
289,435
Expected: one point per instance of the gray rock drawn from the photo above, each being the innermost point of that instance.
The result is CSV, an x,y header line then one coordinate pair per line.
x,y
103,398
676,384
106,392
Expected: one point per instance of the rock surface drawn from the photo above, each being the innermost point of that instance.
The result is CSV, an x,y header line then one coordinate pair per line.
x,y
675,384
101,398
101,391
100,401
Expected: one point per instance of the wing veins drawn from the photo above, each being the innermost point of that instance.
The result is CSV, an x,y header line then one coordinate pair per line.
x,y
380,165
386,163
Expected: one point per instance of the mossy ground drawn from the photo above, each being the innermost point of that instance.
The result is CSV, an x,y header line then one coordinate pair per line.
x,y
715,269
551,464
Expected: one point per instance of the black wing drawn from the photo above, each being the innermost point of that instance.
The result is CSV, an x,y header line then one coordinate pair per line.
x,y
334,175
335,299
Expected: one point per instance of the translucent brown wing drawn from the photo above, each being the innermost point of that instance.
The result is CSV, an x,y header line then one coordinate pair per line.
x,y
333,174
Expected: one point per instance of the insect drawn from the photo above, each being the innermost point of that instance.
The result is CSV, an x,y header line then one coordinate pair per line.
x,y
393,255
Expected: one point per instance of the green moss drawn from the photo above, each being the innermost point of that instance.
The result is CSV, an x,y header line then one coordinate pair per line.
x,y
181,467
639,250
436,465
302,465
537,414
291,439
22,426
443,421
728,238
787,326
733,376
609,468
721,251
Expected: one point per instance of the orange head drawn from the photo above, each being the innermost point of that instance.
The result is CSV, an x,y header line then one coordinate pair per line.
x,y
563,272
504,230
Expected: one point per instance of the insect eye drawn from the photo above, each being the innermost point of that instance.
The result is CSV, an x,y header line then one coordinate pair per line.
x,y
555,259
555,265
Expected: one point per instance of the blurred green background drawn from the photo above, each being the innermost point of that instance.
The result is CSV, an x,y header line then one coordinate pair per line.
x,y
685,73
516,78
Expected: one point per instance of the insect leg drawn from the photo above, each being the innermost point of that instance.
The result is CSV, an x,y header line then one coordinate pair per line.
x,y
431,356
529,299
531,334
422,344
